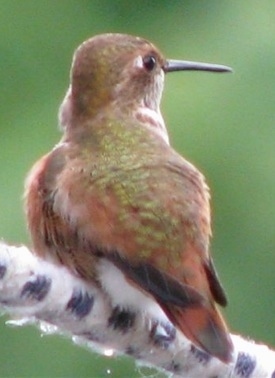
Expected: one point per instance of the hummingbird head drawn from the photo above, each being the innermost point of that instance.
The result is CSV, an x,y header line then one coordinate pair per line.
x,y
122,70
116,68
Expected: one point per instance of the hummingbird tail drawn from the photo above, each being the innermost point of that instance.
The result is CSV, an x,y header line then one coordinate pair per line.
x,y
204,327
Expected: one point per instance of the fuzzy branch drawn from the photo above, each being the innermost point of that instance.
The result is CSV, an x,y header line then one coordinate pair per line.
x,y
35,291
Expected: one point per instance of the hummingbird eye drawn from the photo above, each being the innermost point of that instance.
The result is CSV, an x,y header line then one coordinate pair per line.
x,y
149,62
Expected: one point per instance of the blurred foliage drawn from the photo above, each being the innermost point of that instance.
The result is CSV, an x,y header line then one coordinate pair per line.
x,y
223,123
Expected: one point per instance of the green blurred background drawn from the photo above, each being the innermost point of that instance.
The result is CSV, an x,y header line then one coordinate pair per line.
x,y
225,124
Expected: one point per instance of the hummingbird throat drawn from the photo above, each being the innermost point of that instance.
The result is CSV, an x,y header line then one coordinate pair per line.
x,y
152,119
148,112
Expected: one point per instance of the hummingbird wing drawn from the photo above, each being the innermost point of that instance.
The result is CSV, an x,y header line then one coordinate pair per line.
x,y
158,239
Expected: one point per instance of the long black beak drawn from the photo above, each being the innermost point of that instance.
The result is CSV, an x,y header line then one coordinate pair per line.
x,y
185,65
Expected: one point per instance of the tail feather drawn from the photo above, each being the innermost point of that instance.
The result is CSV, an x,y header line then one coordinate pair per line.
x,y
204,327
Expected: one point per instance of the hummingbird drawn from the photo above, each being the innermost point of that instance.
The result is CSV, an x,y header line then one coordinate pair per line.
x,y
117,205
